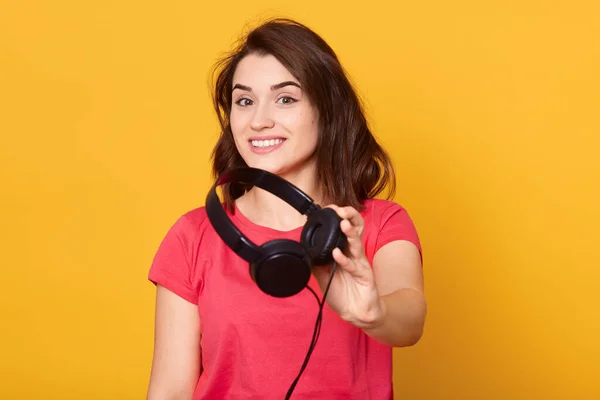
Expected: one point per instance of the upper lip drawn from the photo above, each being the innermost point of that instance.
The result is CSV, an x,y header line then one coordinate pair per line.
x,y
266,137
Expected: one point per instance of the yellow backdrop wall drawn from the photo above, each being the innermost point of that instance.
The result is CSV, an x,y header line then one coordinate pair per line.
x,y
490,110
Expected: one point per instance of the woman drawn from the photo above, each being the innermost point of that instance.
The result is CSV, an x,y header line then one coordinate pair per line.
x,y
285,106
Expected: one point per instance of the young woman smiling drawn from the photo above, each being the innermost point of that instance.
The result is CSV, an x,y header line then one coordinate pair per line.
x,y
285,106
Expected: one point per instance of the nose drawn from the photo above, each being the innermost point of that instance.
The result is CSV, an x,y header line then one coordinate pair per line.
x,y
261,119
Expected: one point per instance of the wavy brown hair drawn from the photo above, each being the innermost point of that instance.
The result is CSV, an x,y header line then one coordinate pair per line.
x,y
351,165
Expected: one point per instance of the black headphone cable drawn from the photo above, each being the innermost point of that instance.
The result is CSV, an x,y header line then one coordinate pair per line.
x,y
316,332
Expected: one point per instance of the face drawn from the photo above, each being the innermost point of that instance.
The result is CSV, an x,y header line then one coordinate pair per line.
x,y
274,126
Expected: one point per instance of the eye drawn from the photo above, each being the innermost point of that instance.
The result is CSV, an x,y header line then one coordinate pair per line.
x,y
243,102
286,100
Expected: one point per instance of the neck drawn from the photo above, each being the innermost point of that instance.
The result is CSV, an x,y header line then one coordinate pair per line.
x,y
266,209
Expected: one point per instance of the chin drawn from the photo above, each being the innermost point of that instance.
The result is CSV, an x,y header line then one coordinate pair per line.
x,y
270,166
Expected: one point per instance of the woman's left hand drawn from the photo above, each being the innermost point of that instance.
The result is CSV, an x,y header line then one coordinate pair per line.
x,y
353,293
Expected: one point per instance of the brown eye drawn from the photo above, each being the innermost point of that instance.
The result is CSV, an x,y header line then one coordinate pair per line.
x,y
286,100
243,102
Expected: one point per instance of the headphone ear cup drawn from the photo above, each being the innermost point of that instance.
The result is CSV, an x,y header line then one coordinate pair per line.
x,y
321,234
283,270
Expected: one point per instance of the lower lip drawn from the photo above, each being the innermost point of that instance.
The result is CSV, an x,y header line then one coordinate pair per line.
x,y
265,150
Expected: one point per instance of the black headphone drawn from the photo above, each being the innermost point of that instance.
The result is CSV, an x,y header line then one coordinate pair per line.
x,y
280,267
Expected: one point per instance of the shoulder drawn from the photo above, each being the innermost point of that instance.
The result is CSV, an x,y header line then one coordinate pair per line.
x,y
190,226
195,219
174,264
380,210
387,221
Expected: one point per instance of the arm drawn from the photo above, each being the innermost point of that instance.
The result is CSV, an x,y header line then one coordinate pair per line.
x,y
399,279
176,363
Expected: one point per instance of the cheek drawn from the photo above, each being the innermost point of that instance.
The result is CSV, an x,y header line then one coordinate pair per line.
x,y
311,128
304,123
237,123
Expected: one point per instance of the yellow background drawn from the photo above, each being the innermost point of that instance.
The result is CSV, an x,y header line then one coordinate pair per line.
x,y
490,110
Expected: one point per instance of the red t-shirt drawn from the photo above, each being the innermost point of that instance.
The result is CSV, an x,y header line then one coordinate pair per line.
x,y
253,345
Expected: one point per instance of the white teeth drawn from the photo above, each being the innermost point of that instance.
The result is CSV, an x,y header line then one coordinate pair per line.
x,y
266,143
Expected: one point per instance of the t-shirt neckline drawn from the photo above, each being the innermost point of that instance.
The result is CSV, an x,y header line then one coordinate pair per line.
x,y
240,219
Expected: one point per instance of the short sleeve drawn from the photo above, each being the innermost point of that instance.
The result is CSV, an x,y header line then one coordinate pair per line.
x,y
396,224
172,266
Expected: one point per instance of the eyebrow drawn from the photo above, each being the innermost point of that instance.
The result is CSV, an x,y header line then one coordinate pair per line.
x,y
273,87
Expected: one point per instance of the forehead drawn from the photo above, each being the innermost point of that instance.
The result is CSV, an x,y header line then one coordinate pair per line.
x,y
261,70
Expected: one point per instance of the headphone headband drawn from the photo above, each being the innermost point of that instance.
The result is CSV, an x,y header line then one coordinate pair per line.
x,y
273,184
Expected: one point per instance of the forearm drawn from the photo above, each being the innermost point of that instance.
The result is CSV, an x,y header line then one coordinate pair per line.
x,y
401,320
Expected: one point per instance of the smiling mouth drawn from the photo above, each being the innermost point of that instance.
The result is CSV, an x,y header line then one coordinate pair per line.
x,y
266,143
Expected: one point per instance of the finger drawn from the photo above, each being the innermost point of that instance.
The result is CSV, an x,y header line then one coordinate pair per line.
x,y
355,269
352,225
352,215
342,212
355,247
344,262
334,208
